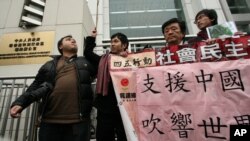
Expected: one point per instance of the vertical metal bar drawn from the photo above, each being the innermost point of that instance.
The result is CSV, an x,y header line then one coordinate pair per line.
x,y
1,85
17,129
33,119
4,96
12,119
26,122
33,122
5,119
33,127
19,120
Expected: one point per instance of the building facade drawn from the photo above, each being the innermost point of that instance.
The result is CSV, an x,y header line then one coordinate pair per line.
x,y
35,16
140,20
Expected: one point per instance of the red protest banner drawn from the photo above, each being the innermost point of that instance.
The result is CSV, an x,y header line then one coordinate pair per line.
x,y
223,49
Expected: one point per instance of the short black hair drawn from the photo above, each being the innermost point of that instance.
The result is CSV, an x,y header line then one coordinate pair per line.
x,y
59,43
175,20
122,37
210,13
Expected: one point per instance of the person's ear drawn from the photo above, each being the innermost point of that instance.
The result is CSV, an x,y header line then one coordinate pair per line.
x,y
123,46
60,47
183,34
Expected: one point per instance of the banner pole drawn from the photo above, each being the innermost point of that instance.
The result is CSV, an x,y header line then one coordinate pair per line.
x,y
97,12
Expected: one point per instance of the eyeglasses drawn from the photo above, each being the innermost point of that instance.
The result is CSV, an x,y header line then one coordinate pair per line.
x,y
199,18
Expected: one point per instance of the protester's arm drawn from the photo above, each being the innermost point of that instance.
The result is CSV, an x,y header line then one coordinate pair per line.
x,y
29,96
20,104
89,49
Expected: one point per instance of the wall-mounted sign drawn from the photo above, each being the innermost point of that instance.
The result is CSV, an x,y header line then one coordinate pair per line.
x,y
26,48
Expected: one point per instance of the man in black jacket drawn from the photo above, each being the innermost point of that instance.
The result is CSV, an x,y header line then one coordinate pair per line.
x,y
65,112
109,121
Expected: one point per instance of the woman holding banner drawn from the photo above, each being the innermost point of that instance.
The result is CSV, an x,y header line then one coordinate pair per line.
x,y
109,122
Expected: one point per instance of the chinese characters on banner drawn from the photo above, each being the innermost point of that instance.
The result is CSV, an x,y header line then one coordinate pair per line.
x,y
145,59
190,102
222,50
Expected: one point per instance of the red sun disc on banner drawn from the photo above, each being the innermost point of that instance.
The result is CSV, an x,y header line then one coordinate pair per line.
x,y
124,82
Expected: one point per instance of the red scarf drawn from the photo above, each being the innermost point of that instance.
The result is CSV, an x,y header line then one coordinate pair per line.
x,y
203,34
103,76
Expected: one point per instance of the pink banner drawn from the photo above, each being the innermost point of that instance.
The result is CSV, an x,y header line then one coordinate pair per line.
x,y
189,102
143,59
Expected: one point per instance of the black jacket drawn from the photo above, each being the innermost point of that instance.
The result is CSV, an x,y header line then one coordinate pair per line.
x,y
41,86
106,104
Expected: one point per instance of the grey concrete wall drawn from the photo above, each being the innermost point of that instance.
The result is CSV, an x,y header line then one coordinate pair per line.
x,y
64,17
4,9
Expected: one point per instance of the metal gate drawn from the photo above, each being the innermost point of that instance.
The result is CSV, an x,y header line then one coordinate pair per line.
x,y
23,128
26,127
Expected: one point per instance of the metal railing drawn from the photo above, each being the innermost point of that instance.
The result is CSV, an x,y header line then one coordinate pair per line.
x,y
23,128
26,127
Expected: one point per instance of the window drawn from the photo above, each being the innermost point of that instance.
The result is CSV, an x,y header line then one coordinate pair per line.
x,y
238,11
32,14
239,6
142,18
